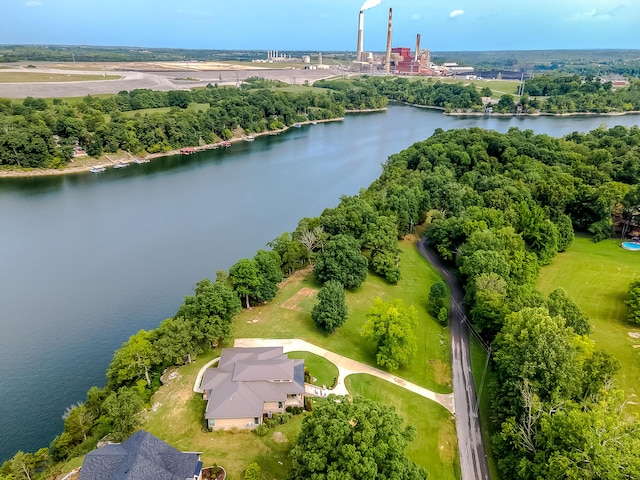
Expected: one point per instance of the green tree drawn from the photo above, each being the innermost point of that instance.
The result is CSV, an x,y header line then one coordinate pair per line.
x,y
270,274
123,408
391,327
633,302
208,313
78,421
560,304
331,310
253,472
355,439
437,294
245,278
133,360
342,261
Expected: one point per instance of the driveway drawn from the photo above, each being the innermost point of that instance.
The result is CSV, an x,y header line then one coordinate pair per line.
x,y
346,367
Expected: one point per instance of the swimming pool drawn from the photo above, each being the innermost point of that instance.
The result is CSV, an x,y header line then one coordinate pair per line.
x,y
634,247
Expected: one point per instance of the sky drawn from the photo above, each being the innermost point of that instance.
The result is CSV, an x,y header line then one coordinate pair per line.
x,y
324,25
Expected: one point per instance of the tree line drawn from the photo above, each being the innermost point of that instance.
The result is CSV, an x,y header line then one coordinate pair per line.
x,y
34,133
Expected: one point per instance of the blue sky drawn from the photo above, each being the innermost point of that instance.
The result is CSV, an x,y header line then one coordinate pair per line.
x,y
324,24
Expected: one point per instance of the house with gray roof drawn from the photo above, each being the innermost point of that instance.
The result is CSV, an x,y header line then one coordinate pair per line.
x,y
141,457
249,384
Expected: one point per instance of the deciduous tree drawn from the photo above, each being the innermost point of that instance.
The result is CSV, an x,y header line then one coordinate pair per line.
x,y
391,327
331,310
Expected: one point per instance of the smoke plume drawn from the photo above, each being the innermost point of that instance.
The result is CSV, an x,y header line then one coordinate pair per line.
x,y
370,4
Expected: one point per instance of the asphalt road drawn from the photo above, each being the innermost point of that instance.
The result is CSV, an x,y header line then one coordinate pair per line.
x,y
473,460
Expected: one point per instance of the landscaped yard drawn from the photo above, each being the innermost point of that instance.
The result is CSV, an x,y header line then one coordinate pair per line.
x,y
322,371
436,446
597,276
283,318
177,416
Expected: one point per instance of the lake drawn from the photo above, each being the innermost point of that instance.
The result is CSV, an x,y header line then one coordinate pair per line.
x,y
89,259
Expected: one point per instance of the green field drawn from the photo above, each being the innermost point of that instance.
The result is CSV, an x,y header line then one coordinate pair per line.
x,y
322,371
435,446
289,316
597,276
144,111
25,77
498,87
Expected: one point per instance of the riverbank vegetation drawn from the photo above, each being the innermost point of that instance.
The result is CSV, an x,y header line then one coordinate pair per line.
x,y
36,134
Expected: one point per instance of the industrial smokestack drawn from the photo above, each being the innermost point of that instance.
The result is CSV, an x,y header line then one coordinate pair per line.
x,y
360,36
387,62
417,47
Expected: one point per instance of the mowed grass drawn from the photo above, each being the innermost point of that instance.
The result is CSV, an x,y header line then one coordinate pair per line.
x,y
435,446
498,87
192,106
300,89
597,276
27,77
289,316
322,371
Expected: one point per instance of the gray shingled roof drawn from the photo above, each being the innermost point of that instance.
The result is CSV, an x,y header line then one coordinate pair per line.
x,y
141,457
245,378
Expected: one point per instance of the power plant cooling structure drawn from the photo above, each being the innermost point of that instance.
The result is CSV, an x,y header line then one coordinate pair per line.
x,y
387,60
360,36
417,47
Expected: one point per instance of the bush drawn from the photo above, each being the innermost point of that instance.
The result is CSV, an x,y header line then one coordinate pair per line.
x,y
633,302
262,430
253,472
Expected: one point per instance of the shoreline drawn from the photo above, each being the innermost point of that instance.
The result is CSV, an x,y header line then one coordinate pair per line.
x,y
108,162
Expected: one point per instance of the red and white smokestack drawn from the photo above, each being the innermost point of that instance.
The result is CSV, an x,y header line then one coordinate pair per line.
x,y
360,36
417,47
387,62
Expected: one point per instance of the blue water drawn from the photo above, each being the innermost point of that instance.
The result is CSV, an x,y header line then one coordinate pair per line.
x,y
89,259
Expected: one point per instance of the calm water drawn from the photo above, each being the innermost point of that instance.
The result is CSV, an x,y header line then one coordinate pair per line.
x,y
87,260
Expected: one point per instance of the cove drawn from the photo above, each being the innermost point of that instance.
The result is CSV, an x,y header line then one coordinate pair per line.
x,y
89,259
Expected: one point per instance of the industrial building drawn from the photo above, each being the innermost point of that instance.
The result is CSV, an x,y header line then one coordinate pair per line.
x,y
399,60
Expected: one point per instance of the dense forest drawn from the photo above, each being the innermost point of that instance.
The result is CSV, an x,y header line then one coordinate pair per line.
x,y
34,133
500,206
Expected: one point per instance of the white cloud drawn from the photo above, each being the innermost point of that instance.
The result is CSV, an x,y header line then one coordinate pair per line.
x,y
595,14
416,16
33,3
456,13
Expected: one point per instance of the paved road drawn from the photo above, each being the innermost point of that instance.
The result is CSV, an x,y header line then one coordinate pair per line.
x,y
473,460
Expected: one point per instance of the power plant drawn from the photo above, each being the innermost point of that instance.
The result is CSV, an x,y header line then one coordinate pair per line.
x,y
398,60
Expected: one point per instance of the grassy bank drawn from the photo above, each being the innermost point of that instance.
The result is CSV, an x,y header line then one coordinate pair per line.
x,y
597,276
26,77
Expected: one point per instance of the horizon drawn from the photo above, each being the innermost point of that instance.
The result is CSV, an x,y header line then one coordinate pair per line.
x,y
330,25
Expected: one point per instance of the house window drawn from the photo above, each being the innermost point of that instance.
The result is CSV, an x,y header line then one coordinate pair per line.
x,y
212,423
256,420
279,404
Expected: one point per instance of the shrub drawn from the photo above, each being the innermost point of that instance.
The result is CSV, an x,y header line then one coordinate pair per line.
x,y
253,472
262,430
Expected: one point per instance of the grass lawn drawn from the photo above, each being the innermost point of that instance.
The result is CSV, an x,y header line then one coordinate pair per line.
x,y
289,316
300,89
144,111
597,276
322,370
498,87
25,77
435,445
